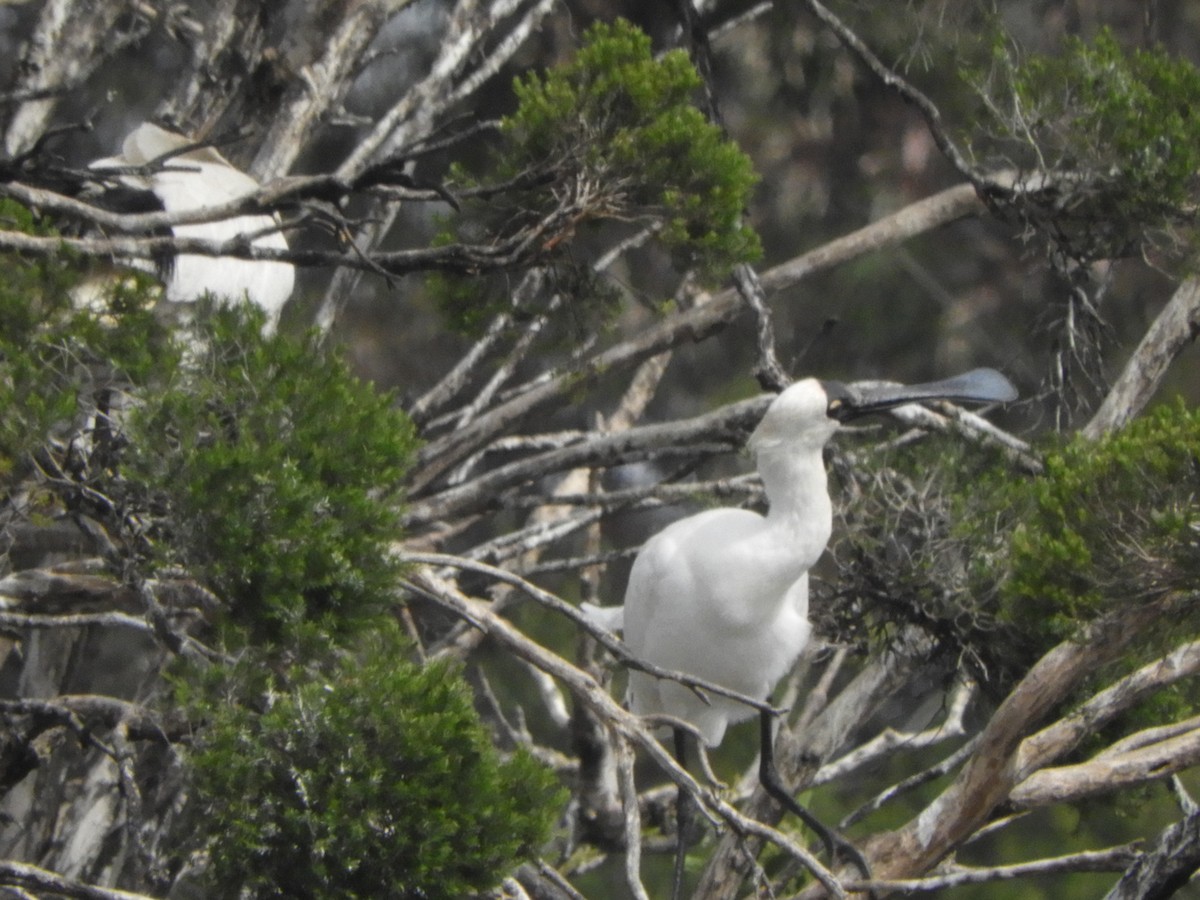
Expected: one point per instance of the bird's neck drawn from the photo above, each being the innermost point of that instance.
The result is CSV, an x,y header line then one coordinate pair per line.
x,y
798,493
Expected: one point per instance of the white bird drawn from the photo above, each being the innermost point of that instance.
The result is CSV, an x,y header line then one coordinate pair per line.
x,y
723,595
190,181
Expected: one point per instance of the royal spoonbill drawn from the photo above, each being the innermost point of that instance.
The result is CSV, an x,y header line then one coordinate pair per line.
x,y
723,594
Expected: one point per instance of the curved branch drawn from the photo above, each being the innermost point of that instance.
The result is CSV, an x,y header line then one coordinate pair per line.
x,y
96,709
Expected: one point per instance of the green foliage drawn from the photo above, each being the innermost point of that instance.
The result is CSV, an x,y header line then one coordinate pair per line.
x,y
626,120
997,569
274,474
1110,522
263,467
612,136
260,464
54,358
374,778
1122,124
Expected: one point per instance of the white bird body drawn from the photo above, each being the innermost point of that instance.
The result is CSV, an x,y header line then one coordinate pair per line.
x,y
192,181
723,595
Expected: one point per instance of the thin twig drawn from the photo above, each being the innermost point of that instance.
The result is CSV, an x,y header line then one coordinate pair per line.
x,y
769,371
1114,859
605,638
932,773
927,108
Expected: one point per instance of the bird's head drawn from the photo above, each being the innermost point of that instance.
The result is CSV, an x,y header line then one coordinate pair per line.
x,y
798,418
807,413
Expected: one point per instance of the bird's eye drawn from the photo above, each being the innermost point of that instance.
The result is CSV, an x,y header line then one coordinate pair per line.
x,y
835,406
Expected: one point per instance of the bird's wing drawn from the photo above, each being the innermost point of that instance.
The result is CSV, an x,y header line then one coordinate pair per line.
x,y
187,184
673,576
268,284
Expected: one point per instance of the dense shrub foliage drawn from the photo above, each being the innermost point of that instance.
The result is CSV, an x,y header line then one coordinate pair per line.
x,y
274,473
371,777
621,116
1111,522
325,763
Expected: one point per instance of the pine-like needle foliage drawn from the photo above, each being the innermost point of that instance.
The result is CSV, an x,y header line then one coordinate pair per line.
x,y
997,568
372,777
611,137
1118,134
1110,523
274,474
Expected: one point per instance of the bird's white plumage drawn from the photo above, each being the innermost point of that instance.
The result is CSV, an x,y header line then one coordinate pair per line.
x,y
723,595
194,180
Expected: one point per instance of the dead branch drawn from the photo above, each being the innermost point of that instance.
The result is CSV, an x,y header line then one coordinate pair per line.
x,y
1176,326
96,711
1104,774
1054,741
1114,859
1164,868
990,774
889,740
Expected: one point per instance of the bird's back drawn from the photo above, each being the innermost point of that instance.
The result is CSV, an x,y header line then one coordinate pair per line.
x,y
194,180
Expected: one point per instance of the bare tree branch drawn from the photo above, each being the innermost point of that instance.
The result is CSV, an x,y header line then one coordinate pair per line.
x,y
1110,860
1061,737
70,42
1108,773
1163,869
889,739
989,776
1177,325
